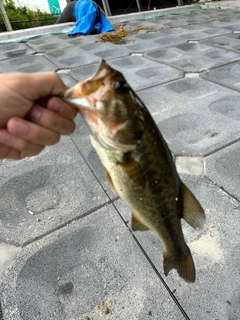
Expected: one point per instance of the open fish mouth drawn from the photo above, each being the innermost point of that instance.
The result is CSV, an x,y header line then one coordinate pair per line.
x,y
86,94
89,97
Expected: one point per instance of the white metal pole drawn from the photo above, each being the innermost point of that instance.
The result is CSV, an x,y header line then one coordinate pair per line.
x,y
5,17
106,8
138,5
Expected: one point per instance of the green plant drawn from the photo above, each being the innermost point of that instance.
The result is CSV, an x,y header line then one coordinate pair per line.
x,y
23,17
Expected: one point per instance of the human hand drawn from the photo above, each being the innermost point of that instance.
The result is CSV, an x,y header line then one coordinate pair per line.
x,y
31,116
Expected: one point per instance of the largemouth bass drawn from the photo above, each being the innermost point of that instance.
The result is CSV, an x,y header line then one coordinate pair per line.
x,y
138,163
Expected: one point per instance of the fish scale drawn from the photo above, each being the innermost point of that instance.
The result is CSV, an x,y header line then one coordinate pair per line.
x,y
138,163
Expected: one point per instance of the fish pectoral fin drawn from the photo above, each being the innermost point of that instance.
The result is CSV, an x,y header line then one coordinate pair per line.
x,y
184,266
193,213
110,180
134,172
137,225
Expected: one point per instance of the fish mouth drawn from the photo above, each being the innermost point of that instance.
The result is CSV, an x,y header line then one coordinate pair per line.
x,y
85,94
87,97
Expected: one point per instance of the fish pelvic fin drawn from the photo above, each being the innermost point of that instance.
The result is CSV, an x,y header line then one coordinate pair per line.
x,y
137,225
110,180
193,212
184,266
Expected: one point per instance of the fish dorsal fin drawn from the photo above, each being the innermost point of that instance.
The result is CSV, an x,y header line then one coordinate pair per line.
x,y
193,213
137,225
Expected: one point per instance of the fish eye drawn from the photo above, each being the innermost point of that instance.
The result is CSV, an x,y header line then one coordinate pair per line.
x,y
121,86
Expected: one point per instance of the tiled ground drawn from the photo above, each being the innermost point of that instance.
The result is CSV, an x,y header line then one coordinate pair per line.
x,y
78,259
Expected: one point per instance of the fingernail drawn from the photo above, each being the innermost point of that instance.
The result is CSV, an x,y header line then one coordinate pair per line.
x,y
35,113
57,107
5,136
19,127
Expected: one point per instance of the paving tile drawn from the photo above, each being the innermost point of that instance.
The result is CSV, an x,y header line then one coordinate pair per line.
x,y
226,23
195,32
228,75
230,42
216,291
40,194
12,50
222,168
83,73
141,72
193,57
150,73
31,63
152,40
8,254
196,117
66,78
85,54
47,43
92,268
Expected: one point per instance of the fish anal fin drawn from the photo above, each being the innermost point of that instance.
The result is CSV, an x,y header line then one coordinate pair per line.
x,y
110,180
134,172
137,225
184,266
193,213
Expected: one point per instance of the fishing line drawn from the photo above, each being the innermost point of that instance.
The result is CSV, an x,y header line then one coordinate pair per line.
x,y
138,243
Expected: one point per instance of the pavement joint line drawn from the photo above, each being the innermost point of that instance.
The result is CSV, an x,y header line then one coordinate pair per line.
x,y
153,266
158,84
222,147
222,189
87,213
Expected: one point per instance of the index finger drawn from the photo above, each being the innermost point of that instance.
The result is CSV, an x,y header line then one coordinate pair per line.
x,y
37,85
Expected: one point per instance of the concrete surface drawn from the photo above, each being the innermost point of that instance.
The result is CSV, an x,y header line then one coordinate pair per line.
x,y
75,256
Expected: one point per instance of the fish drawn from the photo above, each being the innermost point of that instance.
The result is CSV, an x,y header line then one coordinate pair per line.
x,y
138,163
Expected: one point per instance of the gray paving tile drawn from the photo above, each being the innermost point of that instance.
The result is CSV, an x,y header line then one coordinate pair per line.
x,y
152,40
40,194
31,63
12,50
141,72
217,289
226,23
69,273
193,57
230,42
47,43
66,78
195,32
151,73
70,58
223,169
83,73
228,75
85,54
196,117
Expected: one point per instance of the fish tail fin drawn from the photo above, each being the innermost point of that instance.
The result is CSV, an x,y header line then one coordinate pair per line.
x,y
184,266
193,212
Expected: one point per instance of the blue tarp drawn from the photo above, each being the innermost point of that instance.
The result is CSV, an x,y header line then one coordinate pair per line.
x,y
86,13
